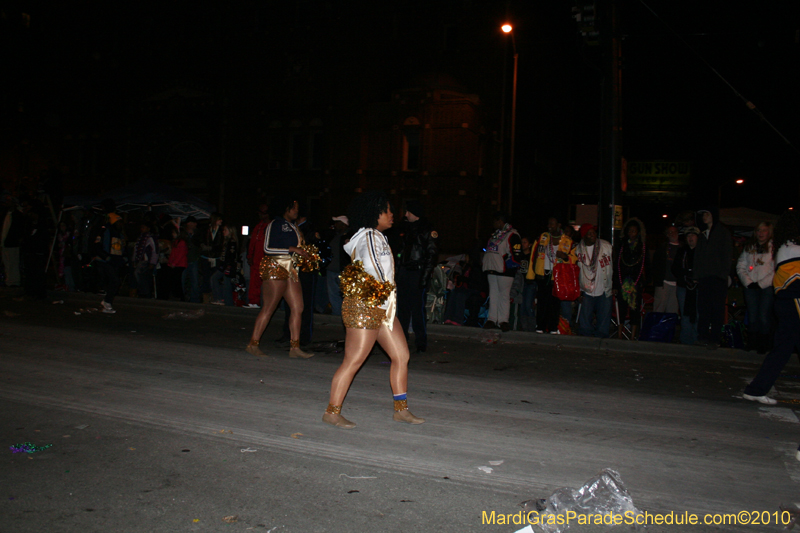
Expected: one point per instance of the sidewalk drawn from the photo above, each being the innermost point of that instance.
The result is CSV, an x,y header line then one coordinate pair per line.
x,y
559,342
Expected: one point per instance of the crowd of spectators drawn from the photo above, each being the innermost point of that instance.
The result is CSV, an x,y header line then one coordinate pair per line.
x,y
507,282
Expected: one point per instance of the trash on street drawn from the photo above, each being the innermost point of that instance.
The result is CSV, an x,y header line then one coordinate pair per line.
x,y
603,494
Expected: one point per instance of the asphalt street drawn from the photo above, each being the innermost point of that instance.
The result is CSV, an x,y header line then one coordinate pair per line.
x,y
155,419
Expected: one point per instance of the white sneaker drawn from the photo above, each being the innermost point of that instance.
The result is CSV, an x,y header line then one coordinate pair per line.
x,y
252,306
107,308
555,332
766,400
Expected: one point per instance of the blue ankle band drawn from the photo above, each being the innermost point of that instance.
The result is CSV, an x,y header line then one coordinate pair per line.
x,y
398,397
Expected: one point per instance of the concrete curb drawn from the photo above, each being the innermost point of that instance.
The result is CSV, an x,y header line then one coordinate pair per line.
x,y
478,335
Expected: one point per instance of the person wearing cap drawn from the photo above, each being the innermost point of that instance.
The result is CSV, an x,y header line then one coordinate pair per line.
x,y
686,290
255,253
524,290
414,262
712,267
341,225
595,260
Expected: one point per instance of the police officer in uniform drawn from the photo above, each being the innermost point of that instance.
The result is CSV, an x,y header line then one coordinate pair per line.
x,y
415,256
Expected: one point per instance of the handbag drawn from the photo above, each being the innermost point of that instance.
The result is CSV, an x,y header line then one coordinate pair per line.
x,y
566,286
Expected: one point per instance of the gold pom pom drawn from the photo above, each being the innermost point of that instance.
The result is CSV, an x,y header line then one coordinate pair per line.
x,y
309,264
356,282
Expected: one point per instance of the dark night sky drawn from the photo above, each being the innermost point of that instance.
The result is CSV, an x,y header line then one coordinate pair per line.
x,y
79,67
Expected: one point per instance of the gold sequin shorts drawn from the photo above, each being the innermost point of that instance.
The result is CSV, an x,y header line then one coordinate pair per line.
x,y
270,269
357,315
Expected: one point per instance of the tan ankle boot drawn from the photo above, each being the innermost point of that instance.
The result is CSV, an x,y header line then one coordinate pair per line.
x,y
407,417
333,417
402,414
295,351
253,349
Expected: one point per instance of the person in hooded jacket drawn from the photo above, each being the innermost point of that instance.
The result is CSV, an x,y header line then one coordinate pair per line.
x,y
368,309
712,267
415,262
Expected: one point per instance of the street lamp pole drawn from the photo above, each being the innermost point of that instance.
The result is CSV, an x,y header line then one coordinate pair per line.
x,y
508,29
511,168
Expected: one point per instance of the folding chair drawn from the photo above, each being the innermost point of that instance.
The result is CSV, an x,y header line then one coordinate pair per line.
x,y
621,328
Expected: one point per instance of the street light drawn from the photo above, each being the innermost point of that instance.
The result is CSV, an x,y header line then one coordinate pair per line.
x,y
738,181
508,30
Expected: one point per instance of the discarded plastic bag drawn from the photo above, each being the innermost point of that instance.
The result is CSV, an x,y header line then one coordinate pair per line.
x,y
604,494
185,315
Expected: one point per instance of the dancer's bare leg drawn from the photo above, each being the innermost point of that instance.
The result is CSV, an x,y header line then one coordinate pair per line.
x,y
294,297
272,290
357,346
396,346
394,342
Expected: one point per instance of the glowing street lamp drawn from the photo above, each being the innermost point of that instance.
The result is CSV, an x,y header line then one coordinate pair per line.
x,y
738,181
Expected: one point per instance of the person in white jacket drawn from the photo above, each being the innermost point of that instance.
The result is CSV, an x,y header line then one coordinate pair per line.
x,y
368,308
756,269
596,281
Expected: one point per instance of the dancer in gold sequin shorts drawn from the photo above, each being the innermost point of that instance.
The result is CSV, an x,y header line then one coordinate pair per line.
x,y
279,276
368,310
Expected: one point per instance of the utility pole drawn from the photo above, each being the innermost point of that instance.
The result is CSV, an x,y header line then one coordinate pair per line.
x,y
597,23
611,151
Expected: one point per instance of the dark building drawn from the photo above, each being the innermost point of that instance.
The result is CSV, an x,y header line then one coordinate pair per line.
x,y
427,143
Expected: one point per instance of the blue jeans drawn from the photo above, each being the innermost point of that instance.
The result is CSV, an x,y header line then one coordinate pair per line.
x,y
221,287
144,279
595,305
191,282
528,300
688,330
334,294
566,310
759,309
711,294
787,341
